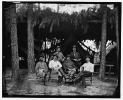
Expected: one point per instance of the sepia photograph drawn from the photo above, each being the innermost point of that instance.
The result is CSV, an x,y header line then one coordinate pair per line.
x,y
61,49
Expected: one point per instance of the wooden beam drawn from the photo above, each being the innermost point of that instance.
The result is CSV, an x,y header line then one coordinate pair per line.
x,y
105,72
95,21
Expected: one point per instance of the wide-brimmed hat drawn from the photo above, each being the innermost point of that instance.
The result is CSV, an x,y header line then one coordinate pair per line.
x,y
41,56
54,55
74,46
87,56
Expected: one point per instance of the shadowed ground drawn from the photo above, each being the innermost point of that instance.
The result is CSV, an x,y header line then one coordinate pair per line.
x,y
30,85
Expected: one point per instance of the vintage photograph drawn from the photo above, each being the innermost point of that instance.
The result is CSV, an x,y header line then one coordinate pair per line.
x,y
61,49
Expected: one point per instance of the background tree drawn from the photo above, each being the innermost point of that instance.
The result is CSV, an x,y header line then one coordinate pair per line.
x,y
117,37
103,43
30,39
14,43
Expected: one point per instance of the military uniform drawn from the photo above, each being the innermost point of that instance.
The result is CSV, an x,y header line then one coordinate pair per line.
x,y
41,69
60,56
76,55
69,67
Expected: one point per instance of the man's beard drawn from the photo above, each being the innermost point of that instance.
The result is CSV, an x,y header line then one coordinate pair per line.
x,y
41,60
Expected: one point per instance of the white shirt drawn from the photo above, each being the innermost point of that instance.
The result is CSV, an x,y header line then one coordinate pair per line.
x,y
54,65
87,67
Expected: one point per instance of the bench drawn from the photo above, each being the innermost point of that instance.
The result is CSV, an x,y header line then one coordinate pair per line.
x,y
107,65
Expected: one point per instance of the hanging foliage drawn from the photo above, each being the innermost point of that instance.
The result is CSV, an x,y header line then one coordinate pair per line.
x,y
7,20
77,20
51,27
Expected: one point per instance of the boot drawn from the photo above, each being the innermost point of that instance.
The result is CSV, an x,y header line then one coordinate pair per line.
x,y
45,80
83,82
59,79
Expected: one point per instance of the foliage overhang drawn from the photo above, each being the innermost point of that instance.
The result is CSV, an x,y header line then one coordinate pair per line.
x,y
85,24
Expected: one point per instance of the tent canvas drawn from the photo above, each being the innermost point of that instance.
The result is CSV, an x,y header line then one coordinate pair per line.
x,y
66,47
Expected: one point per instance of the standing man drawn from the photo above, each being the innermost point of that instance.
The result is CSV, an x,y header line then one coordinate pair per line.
x,y
59,54
75,56
85,70
56,66
41,68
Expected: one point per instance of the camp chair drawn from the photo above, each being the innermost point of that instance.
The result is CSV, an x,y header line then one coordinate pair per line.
x,y
89,76
70,75
41,76
50,74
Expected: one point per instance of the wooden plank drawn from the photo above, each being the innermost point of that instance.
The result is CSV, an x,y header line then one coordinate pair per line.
x,y
95,21
106,65
105,72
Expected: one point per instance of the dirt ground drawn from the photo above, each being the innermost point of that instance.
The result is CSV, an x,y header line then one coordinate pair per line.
x,y
30,85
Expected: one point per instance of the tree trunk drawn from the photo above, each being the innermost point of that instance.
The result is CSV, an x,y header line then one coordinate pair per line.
x,y
57,8
103,45
45,49
14,44
31,61
39,31
117,37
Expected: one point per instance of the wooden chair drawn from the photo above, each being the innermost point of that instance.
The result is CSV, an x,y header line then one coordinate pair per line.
x,y
90,76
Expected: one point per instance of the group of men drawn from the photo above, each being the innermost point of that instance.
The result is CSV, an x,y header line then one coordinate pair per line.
x,y
65,66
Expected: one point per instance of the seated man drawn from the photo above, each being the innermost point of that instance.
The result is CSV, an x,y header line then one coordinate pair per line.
x,y
69,66
85,70
87,67
41,68
56,66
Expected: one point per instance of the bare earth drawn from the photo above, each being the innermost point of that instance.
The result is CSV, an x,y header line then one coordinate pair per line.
x,y
30,85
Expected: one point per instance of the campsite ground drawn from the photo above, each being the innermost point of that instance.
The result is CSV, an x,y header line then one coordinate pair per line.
x,y
30,85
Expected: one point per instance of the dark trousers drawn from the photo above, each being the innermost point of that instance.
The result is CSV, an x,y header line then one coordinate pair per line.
x,y
60,78
77,64
45,78
81,77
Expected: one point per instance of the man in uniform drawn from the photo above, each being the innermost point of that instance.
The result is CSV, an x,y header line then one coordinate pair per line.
x,y
69,66
59,54
41,68
75,57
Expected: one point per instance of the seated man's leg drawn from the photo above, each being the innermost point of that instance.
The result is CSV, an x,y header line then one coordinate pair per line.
x,y
78,66
45,76
50,71
83,81
60,76
80,77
